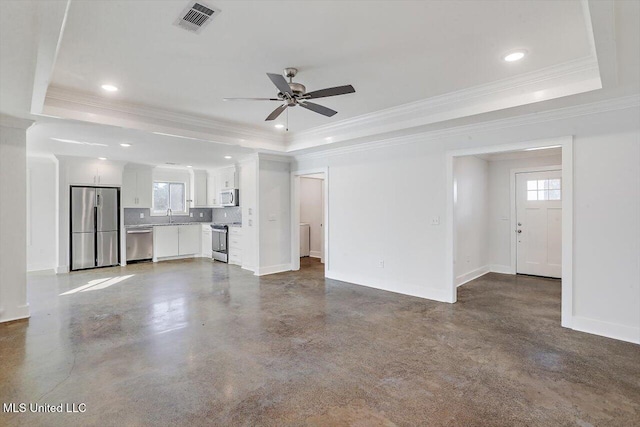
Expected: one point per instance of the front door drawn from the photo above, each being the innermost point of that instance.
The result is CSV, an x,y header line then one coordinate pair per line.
x,y
539,223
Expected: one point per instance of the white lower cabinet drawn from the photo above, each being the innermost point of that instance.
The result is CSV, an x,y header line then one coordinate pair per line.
x,y
206,241
188,239
165,241
235,245
176,240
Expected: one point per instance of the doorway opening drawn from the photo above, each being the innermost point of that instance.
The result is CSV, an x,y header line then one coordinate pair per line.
x,y
510,211
309,227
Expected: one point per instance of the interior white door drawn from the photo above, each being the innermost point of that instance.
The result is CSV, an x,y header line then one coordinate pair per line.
x,y
539,223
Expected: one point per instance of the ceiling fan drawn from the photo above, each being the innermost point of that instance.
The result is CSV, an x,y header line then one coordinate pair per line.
x,y
292,94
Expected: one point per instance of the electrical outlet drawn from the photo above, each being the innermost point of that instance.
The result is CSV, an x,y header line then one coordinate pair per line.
x,y
435,220
272,217
201,215
225,214
381,263
250,211
141,215
190,214
250,223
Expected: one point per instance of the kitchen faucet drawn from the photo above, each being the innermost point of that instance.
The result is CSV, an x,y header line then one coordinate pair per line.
x,y
170,215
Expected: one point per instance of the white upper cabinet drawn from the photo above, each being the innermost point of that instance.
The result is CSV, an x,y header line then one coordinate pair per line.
x,y
218,180
200,188
137,187
228,178
212,190
93,172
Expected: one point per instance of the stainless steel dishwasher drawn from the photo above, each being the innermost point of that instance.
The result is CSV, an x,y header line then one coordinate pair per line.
x,y
139,244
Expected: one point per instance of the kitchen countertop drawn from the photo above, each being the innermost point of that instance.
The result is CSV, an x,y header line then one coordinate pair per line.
x,y
178,223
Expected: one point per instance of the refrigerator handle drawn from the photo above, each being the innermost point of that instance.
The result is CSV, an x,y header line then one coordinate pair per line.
x,y
98,200
95,218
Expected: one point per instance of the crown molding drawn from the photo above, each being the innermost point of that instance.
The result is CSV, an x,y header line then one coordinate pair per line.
x,y
276,158
614,104
15,122
569,78
67,103
580,75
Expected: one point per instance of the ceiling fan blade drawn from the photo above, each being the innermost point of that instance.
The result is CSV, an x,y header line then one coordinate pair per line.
x,y
251,99
281,83
332,91
318,109
275,113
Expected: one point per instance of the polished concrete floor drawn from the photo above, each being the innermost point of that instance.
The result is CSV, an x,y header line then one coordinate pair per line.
x,y
200,343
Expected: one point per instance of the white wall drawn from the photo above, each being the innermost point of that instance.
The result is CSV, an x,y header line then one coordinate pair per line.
x,y
607,221
471,216
249,205
607,235
13,223
311,211
500,232
41,213
274,182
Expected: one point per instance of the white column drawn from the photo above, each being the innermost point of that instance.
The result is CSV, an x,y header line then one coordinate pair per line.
x,y
13,218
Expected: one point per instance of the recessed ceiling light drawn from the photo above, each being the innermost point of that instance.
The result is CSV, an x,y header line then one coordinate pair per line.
x,y
109,88
514,56
102,158
227,157
124,144
189,166
329,139
279,126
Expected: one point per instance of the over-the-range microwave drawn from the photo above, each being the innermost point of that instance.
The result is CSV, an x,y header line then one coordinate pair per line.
x,y
229,197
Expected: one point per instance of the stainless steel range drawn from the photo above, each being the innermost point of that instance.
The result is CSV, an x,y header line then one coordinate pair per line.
x,y
220,242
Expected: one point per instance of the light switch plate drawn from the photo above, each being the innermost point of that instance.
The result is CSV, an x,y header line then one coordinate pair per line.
x,y
272,217
141,215
190,214
201,214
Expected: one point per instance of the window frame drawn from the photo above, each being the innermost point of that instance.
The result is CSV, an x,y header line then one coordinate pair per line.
x,y
154,212
545,189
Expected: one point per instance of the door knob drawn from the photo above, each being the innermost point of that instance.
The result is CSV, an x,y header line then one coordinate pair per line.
x,y
519,231
519,224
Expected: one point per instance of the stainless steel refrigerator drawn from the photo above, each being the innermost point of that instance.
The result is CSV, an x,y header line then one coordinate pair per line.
x,y
95,227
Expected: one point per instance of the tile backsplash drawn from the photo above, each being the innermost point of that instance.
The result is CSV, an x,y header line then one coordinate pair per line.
x,y
227,215
132,216
219,215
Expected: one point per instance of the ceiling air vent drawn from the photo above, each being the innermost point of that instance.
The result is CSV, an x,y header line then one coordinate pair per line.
x,y
196,16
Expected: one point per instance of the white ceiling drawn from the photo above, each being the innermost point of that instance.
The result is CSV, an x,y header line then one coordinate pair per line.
x,y
146,148
393,52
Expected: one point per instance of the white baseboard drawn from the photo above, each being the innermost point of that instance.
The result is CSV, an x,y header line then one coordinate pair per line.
x,y
441,295
473,274
248,268
606,329
502,269
62,269
20,312
171,258
315,254
40,267
272,269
